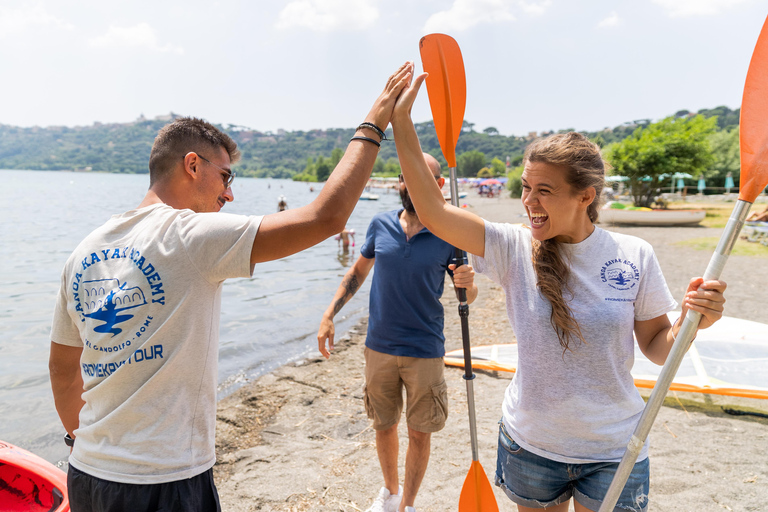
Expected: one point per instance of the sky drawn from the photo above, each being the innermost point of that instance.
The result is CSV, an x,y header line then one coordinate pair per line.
x,y
531,65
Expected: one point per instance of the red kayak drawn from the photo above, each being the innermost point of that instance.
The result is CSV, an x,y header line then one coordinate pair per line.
x,y
29,483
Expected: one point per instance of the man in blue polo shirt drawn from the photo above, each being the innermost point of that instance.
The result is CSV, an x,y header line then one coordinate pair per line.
x,y
405,342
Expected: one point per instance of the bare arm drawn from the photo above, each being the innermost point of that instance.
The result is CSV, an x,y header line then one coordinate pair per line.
x,y
349,285
291,231
67,384
458,227
656,336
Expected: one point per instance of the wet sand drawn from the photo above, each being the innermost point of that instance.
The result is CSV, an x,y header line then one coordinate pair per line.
x,y
298,438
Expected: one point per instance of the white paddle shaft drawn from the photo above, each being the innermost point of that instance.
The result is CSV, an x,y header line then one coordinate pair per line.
x,y
679,348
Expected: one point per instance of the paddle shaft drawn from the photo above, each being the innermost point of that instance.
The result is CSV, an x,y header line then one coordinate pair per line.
x,y
679,348
460,258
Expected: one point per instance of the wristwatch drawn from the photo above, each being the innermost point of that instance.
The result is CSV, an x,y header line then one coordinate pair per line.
x,y
69,440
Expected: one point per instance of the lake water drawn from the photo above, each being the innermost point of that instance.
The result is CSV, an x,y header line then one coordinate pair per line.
x,y
266,321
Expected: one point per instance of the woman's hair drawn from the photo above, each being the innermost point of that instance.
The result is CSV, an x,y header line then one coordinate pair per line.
x,y
585,168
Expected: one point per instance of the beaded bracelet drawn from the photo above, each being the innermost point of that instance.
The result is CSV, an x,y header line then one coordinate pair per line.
x,y
359,137
375,128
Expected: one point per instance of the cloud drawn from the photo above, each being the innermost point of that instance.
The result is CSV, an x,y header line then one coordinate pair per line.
x,y
611,21
139,36
685,8
535,8
465,14
28,18
328,15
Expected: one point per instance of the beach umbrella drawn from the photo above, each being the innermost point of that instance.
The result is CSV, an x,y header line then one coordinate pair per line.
x,y
753,149
490,181
729,183
447,91
680,183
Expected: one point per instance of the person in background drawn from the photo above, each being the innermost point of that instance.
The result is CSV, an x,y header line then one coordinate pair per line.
x,y
576,295
134,341
405,343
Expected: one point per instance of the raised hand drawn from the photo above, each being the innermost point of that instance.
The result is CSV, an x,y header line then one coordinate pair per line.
x,y
408,96
381,112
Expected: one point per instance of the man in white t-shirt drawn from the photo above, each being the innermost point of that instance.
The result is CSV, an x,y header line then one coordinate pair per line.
x,y
134,348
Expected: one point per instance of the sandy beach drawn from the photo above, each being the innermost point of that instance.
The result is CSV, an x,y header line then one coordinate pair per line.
x,y
298,439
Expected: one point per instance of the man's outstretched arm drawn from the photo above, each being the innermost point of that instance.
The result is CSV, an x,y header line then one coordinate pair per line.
x,y
291,231
349,285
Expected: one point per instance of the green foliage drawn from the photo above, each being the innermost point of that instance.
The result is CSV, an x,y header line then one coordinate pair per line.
x,y
497,167
485,172
725,149
469,163
514,182
125,147
666,147
322,169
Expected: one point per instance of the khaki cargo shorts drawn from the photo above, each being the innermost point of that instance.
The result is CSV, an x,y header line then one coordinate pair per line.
x,y
425,388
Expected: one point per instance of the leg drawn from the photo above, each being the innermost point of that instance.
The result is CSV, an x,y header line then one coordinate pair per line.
x,y
426,412
416,460
383,396
387,446
563,507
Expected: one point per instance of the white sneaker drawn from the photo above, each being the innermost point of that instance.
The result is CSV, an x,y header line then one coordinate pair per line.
x,y
410,509
386,502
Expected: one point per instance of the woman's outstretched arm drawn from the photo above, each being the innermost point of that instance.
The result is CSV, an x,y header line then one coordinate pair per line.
x,y
458,227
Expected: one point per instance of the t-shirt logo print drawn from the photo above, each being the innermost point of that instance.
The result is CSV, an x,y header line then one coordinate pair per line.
x,y
620,274
106,298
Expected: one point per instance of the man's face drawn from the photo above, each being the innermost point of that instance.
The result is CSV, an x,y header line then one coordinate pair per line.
x,y
406,198
213,190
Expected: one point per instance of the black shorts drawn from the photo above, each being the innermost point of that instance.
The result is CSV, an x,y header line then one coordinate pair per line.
x,y
90,494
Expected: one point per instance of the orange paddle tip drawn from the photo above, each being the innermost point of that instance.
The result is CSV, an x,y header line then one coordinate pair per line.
x,y
477,494
753,129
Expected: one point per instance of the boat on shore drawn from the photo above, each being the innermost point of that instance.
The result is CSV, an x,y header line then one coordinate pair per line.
x,y
367,196
649,217
30,483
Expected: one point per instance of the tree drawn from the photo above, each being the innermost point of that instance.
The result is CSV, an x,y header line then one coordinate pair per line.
x,y
498,168
491,130
485,172
336,155
469,163
322,169
666,147
725,149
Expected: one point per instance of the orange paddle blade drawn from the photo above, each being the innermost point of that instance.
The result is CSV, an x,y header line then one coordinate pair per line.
x,y
477,495
447,89
753,126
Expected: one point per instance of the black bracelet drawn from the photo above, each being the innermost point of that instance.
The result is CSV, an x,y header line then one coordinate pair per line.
x,y
69,440
375,128
359,137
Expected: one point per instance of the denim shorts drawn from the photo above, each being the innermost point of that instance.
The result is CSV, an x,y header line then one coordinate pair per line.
x,y
537,482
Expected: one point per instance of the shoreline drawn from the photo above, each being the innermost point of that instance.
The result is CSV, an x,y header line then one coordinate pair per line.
x,y
298,439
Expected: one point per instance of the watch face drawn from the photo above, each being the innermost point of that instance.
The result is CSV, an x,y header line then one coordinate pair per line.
x,y
68,440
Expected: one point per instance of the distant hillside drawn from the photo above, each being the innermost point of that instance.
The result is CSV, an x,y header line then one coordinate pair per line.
x,y
125,147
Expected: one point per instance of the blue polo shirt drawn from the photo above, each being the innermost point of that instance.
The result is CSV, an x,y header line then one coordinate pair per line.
x,y
406,316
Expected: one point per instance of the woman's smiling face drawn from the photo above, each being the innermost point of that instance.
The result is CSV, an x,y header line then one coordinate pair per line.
x,y
554,208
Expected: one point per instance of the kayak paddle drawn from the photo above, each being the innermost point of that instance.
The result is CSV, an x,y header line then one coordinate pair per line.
x,y
753,142
447,90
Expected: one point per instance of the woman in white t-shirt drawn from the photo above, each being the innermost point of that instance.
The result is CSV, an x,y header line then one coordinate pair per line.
x,y
576,294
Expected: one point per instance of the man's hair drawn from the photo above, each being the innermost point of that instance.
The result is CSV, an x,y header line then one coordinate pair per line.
x,y
184,135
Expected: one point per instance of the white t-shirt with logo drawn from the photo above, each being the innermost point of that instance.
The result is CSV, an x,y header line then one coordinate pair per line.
x,y
580,405
142,295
